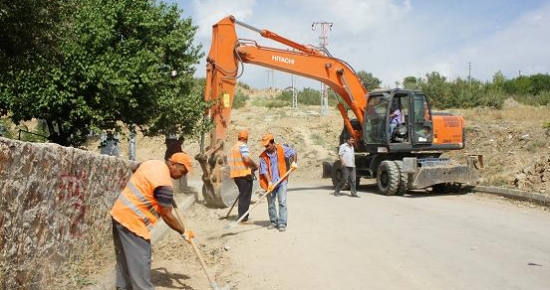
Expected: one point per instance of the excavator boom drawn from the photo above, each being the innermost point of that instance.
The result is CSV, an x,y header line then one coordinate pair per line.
x,y
225,59
385,147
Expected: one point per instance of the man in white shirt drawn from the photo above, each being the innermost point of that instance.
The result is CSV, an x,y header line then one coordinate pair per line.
x,y
346,153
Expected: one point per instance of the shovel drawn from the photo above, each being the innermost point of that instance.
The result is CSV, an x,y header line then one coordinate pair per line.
x,y
236,223
213,283
235,202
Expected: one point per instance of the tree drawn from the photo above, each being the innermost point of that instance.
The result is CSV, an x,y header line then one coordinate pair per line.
x,y
437,89
128,61
369,80
411,83
28,28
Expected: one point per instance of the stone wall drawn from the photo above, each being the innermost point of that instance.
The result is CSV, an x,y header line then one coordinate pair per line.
x,y
54,201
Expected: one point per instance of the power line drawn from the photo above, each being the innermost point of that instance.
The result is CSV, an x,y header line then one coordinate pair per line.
x,y
323,42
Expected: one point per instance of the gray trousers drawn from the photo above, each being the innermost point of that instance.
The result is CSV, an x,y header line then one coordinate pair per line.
x,y
348,173
133,260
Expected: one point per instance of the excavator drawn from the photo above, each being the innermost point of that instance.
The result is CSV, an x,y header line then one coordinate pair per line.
x,y
401,158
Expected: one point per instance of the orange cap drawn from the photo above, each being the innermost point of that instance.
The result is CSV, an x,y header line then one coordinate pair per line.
x,y
184,159
242,135
266,139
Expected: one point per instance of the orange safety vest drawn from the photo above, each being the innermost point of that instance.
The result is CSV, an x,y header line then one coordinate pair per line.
x,y
281,164
136,207
237,167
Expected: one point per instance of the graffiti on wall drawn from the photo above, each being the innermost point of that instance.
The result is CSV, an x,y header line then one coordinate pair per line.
x,y
72,191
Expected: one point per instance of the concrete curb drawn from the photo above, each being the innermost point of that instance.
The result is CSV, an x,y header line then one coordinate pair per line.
x,y
184,203
515,194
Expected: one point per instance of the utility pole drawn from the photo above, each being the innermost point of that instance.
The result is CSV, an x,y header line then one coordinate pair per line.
x,y
294,94
325,27
469,73
270,79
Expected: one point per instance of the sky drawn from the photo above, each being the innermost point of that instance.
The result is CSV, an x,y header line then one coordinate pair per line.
x,y
392,39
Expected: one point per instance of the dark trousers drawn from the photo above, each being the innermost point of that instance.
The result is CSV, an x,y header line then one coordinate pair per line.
x,y
348,173
133,256
245,193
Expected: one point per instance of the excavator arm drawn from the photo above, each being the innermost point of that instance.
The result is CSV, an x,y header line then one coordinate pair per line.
x,y
224,66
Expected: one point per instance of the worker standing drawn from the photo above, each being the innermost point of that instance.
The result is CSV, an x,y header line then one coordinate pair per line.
x,y
147,195
346,152
272,168
242,169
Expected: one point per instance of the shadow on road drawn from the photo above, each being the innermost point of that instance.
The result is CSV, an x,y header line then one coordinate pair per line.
x,y
162,278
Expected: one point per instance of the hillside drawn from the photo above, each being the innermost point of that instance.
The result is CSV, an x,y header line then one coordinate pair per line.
x,y
515,147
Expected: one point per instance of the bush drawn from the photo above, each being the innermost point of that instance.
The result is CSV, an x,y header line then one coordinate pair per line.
x,y
239,100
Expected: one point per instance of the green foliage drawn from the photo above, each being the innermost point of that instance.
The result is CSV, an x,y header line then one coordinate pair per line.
x,y
461,93
534,145
370,82
411,83
309,96
306,96
270,102
239,100
546,127
30,28
5,126
243,85
122,61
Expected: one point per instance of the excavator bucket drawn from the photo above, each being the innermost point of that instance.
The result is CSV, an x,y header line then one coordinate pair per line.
x,y
218,189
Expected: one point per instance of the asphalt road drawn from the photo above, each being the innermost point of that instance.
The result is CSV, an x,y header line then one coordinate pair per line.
x,y
418,241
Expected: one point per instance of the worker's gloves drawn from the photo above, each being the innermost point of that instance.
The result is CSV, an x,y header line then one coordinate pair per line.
x,y
270,187
294,166
188,235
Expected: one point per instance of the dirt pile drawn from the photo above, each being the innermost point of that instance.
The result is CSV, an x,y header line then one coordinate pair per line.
x,y
513,144
535,177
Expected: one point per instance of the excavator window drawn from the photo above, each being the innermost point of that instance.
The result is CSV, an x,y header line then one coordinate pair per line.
x,y
423,127
375,116
401,132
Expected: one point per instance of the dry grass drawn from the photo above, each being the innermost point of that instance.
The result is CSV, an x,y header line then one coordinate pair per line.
x,y
511,112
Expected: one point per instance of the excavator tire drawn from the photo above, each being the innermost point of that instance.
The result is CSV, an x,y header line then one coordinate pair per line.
x,y
403,178
337,175
388,177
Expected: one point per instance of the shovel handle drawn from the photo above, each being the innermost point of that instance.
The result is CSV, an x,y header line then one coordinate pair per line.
x,y
264,195
235,202
197,252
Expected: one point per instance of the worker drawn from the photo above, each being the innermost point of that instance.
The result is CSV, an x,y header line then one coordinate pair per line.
x,y
346,152
395,118
272,168
147,195
242,169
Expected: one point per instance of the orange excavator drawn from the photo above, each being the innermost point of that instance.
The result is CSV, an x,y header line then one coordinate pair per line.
x,y
407,156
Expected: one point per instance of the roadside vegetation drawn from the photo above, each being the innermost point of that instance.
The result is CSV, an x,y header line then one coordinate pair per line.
x,y
109,65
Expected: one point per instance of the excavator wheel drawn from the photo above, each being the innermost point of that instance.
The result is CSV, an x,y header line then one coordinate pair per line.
x,y
337,176
403,178
388,177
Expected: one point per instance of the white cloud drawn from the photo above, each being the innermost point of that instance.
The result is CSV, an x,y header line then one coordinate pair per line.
x,y
394,39
523,45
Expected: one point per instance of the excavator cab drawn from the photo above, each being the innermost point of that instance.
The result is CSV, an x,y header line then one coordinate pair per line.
x,y
394,117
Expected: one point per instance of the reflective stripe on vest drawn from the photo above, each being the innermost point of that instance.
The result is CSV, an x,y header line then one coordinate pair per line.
x,y
237,167
136,207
